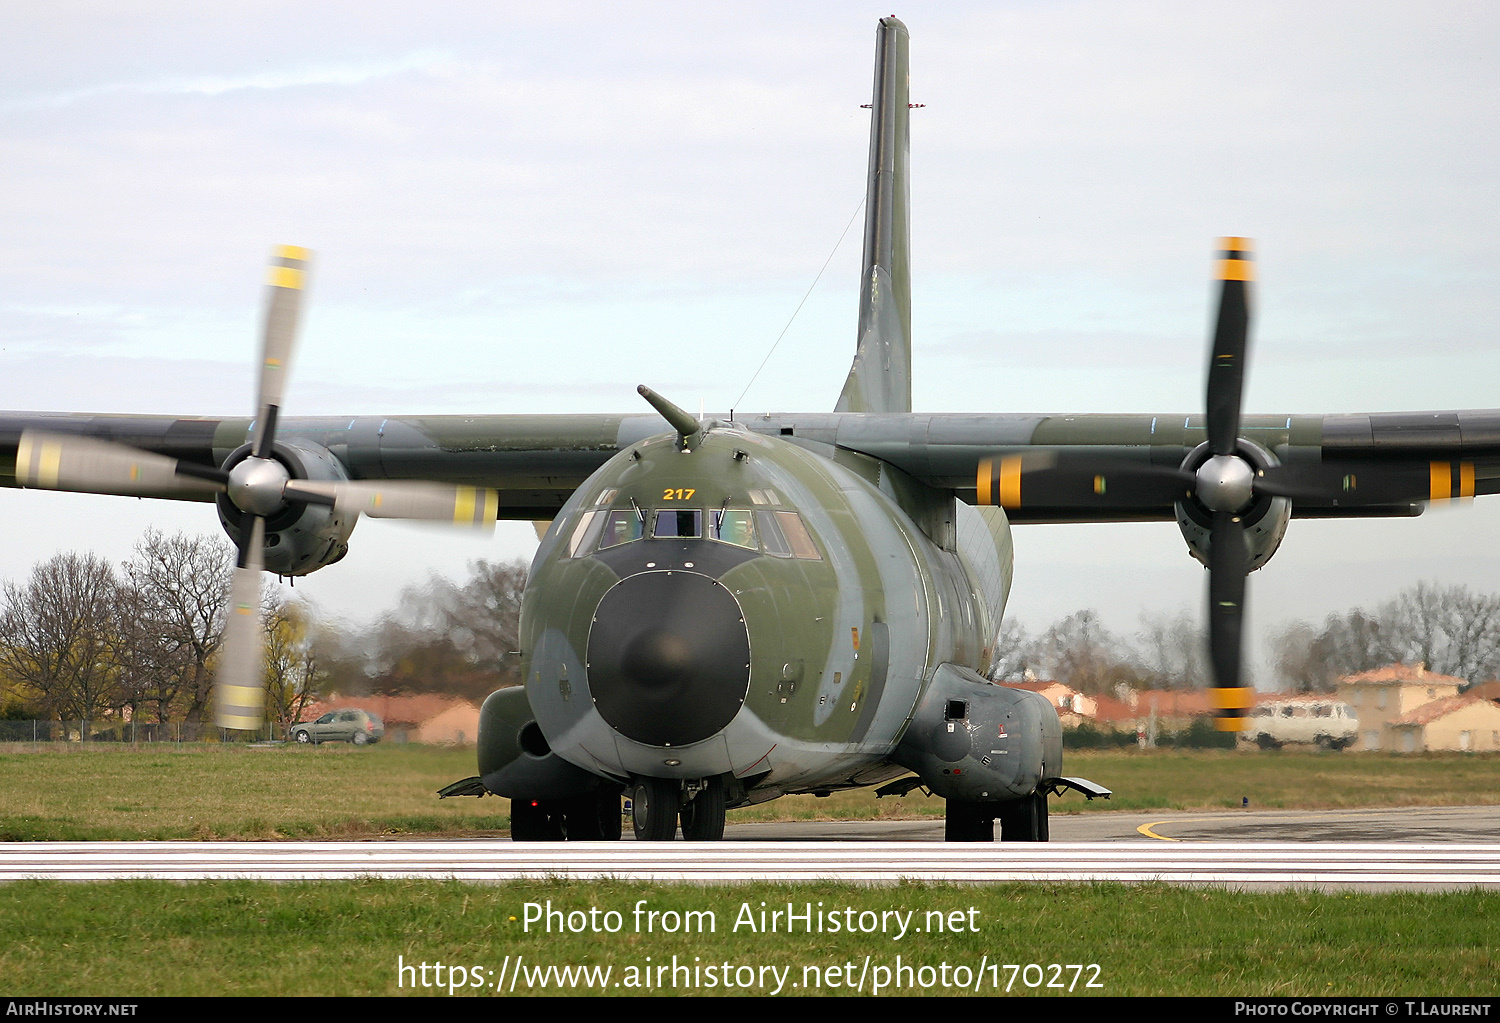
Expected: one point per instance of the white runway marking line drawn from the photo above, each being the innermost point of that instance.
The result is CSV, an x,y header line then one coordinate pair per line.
x,y
1196,862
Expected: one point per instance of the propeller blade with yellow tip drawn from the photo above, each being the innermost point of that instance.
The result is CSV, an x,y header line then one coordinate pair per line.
x,y
84,465
285,283
240,685
473,507
1226,364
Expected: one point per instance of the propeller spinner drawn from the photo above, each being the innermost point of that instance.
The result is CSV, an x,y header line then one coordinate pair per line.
x,y
260,485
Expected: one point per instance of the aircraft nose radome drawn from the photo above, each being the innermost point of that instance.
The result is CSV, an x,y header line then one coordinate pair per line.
x,y
658,657
668,658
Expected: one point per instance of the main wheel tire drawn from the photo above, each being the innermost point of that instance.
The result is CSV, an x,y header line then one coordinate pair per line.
x,y
607,807
594,818
1024,819
969,822
703,815
581,820
655,804
531,821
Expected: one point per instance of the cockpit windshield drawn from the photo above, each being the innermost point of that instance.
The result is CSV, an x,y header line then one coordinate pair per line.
x,y
781,534
678,522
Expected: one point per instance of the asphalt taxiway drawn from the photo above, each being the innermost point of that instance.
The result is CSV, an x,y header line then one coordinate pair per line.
x,y
1419,824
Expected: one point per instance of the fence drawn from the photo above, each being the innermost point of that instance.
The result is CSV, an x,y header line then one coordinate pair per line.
x,y
130,732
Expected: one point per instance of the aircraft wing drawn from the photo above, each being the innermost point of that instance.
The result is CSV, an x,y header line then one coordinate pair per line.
x,y
536,461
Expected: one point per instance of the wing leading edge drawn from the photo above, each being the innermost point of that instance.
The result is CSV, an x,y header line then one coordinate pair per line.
x,y
536,461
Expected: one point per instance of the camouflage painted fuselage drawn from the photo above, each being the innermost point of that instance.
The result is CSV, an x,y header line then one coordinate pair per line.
x,y
685,657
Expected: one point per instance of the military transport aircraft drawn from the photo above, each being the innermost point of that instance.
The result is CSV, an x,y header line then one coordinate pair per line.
x,y
726,610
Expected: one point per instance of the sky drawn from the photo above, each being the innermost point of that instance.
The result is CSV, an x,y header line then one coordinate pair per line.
x,y
534,208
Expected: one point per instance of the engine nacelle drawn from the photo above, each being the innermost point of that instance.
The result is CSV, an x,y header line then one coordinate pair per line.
x,y
975,741
1265,520
300,538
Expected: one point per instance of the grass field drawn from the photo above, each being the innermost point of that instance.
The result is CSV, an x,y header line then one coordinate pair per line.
x,y
129,939
235,937
337,791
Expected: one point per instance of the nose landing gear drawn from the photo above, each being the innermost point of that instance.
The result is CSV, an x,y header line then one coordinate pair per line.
x,y
654,806
657,804
703,815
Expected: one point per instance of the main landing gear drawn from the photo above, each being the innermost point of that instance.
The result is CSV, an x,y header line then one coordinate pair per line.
x,y
1021,820
591,818
657,804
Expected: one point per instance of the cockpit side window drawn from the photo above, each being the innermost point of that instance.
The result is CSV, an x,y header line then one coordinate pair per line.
x,y
678,522
734,527
797,537
771,540
621,526
586,533
783,534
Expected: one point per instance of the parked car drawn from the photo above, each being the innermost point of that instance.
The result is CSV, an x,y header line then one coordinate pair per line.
x,y
1328,723
357,726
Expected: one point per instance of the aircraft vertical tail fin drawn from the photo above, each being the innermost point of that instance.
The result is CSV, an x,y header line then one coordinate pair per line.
x,y
880,379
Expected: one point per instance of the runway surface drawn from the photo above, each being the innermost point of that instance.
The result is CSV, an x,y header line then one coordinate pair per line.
x,y
1234,863
1438,851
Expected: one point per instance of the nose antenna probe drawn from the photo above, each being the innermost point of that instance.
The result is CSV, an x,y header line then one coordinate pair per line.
x,y
686,426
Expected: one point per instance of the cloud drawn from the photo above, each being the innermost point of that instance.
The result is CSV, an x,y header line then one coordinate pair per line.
x,y
427,61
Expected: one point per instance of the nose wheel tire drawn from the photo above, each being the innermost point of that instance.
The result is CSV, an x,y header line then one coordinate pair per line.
x,y
654,807
703,815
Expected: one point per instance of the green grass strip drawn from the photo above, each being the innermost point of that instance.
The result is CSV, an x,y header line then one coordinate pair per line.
x,y
142,938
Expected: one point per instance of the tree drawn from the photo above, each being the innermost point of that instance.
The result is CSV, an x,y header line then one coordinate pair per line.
x,y
1015,652
483,617
152,666
1080,652
182,585
1174,651
1453,630
1474,636
291,665
60,635
444,637
1312,660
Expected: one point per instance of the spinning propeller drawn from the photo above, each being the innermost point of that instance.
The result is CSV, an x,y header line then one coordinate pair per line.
x,y
1228,481
260,485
